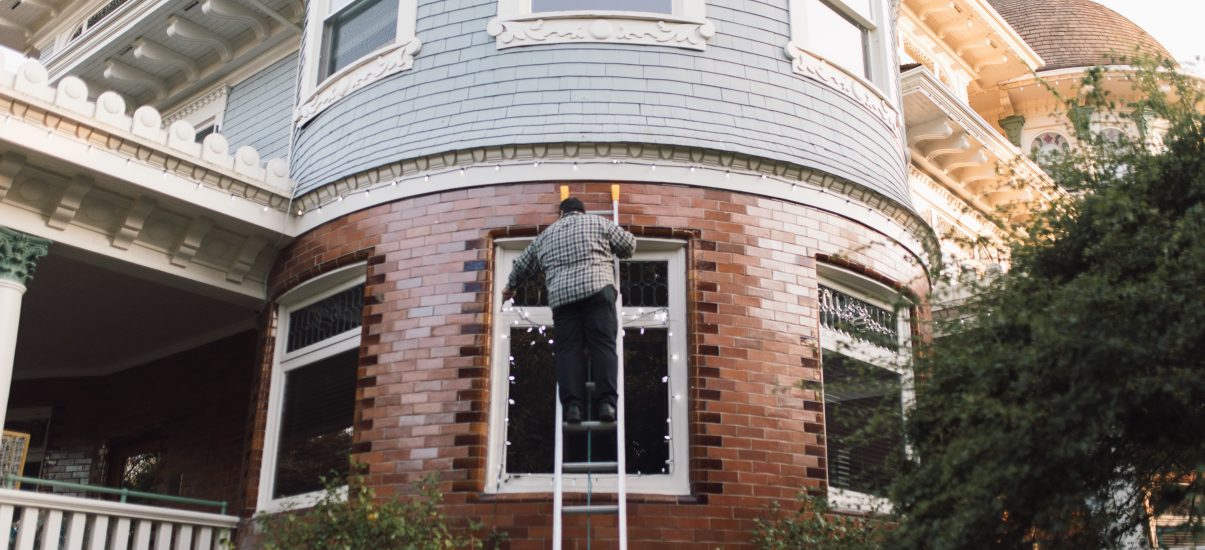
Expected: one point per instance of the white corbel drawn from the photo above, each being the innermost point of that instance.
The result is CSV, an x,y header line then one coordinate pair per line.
x,y
69,202
938,8
230,11
187,31
10,165
294,27
116,70
192,241
150,50
997,60
948,146
246,259
930,130
964,160
135,219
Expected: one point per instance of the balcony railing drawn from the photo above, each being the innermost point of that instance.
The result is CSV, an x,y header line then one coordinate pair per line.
x,y
47,521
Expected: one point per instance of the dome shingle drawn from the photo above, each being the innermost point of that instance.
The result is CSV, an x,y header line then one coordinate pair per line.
x,y
1075,33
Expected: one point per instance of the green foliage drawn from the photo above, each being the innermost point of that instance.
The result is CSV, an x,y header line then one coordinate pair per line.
x,y
351,518
1076,387
815,527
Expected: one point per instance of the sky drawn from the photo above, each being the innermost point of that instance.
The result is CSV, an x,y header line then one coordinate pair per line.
x,y
1174,23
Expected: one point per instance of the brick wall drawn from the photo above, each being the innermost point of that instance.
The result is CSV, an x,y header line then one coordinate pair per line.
x,y
755,436
194,402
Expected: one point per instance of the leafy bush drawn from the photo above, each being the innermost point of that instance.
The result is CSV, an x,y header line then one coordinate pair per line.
x,y
815,526
352,518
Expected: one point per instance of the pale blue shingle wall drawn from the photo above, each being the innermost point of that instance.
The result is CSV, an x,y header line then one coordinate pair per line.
x,y
258,110
739,95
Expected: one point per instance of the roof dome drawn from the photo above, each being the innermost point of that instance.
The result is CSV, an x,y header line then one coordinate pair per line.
x,y
1075,33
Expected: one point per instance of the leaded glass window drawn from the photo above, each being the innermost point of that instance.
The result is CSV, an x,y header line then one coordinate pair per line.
x,y
858,318
326,318
312,396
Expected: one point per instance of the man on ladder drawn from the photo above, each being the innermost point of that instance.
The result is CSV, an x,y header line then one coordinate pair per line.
x,y
577,256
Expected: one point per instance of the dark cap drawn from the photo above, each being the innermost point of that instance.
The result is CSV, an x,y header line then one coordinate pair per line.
x,y
572,204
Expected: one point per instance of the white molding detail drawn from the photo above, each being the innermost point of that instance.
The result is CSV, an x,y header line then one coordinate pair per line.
x,y
153,51
650,31
811,66
207,107
389,60
116,70
231,11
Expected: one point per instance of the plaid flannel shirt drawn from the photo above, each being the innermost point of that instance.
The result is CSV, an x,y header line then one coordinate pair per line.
x,y
576,255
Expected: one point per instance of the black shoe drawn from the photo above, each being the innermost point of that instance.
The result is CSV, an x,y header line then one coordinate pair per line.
x,y
606,412
573,414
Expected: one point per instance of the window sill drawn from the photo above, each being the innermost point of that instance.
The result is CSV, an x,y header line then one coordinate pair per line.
x,y
601,27
298,502
844,500
389,60
856,87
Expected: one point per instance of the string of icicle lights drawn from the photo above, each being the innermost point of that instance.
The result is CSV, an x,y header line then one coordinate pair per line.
x,y
649,318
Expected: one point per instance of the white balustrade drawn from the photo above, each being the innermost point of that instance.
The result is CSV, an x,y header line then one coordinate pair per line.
x,y
45,521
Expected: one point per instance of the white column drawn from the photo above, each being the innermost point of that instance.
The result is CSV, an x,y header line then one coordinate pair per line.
x,y
19,253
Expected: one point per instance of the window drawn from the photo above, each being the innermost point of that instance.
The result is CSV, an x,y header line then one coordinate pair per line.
x,y
1049,148
522,429
351,44
867,385
311,400
843,33
677,23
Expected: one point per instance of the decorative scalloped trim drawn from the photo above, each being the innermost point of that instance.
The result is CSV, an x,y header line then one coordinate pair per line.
x,y
389,60
813,67
691,35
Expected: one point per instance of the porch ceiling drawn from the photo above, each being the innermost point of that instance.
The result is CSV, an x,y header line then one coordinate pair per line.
x,y
82,317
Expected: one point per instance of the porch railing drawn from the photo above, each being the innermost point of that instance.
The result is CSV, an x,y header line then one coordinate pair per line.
x,y
47,521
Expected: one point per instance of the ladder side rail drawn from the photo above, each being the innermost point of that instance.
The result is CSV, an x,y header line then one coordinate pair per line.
x,y
621,446
558,460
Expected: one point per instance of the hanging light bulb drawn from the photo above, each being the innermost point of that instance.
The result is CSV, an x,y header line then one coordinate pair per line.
x,y
664,379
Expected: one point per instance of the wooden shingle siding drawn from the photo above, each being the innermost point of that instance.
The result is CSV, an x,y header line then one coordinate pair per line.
x,y
739,95
259,108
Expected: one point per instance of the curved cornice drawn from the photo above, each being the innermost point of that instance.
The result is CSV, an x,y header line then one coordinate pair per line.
x,y
616,162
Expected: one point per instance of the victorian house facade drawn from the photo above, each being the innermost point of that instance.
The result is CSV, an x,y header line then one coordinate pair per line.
x,y
243,239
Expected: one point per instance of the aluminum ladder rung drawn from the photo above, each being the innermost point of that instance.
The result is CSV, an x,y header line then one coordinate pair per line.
x,y
590,467
591,509
590,426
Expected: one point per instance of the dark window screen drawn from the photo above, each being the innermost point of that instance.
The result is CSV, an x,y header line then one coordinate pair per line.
x,y
316,424
863,419
531,419
326,318
356,31
654,6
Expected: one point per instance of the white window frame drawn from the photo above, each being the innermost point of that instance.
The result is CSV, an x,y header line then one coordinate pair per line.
x,y
898,362
387,60
285,361
687,27
878,92
677,481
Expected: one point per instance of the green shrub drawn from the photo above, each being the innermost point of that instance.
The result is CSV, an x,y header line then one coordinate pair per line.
x,y
814,526
352,518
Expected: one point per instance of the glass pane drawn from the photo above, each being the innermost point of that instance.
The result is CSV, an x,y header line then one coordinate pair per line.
x,y
326,318
531,418
654,6
531,292
357,31
836,38
861,320
316,424
644,284
863,423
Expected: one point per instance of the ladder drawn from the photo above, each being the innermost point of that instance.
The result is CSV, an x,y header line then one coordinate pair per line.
x,y
590,468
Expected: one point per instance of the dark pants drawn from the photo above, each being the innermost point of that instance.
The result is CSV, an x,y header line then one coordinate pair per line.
x,y
585,335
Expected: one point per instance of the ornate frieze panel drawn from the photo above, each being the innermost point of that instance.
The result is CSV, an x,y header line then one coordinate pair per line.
x,y
392,59
813,67
691,35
